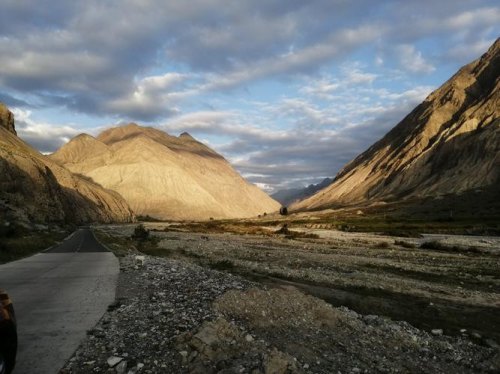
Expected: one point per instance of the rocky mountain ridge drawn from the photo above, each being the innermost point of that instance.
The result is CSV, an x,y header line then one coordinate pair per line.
x,y
449,144
164,176
34,189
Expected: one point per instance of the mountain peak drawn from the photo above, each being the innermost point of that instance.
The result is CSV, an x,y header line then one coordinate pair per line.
x,y
166,176
83,137
186,135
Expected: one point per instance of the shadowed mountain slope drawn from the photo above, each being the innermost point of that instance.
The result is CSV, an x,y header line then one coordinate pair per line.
x,y
164,176
449,144
35,189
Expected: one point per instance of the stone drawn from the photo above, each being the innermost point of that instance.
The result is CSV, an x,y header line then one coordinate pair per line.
x,y
437,332
492,344
121,368
113,361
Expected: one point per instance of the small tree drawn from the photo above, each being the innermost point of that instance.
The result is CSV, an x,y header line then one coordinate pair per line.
x,y
140,233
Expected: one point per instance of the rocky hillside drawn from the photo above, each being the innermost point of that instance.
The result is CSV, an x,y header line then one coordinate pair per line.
x,y
449,144
164,176
34,189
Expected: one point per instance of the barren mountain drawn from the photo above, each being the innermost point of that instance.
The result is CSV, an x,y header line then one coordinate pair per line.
x,y
448,145
164,176
34,188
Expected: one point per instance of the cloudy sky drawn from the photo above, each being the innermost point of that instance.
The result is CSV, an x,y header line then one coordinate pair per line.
x,y
287,90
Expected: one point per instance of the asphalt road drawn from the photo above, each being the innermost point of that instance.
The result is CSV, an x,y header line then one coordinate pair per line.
x,y
58,295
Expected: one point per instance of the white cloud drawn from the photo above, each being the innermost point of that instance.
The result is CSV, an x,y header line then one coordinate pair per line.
x,y
412,60
46,137
311,57
151,96
471,18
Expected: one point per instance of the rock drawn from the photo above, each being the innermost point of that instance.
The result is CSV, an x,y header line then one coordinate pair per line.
x,y
491,343
113,361
249,338
121,368
7,119
437,332
279,363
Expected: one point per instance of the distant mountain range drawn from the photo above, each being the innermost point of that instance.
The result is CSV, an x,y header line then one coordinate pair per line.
x,y
448,145
292,195
164,176
35,189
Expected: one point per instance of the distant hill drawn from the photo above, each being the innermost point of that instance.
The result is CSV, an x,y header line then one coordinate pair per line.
x,y
164,176
35,189
448,145
292,195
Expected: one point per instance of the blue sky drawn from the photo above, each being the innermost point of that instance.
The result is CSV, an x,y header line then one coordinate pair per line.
x,y
288,91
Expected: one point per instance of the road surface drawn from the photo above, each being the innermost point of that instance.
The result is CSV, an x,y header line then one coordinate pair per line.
x,y
58,295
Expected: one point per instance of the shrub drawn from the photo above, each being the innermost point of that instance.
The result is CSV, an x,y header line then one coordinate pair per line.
x,y
404,244
140,233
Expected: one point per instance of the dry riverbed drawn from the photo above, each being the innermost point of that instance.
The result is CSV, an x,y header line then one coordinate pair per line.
x,y
266,304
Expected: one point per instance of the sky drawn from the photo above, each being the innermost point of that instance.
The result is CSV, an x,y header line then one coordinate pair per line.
x,y
288,91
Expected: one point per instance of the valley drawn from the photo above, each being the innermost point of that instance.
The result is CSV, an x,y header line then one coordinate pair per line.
x,y
336,211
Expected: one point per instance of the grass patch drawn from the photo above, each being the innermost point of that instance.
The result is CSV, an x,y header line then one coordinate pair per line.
x,y
222,265
438,246
26,243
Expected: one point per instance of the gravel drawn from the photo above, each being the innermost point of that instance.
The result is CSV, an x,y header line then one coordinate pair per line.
x,y
172,316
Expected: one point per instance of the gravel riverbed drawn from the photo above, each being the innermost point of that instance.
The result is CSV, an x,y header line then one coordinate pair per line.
x,y
173,316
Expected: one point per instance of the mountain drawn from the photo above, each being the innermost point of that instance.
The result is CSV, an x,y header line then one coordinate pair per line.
x,y
292,195
35,189
164,176
447,145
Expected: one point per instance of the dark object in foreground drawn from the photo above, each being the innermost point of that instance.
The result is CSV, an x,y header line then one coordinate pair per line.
x,y
284,211
8,334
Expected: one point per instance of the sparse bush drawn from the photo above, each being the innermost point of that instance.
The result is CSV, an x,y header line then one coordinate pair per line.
x,y
283,229
140,233
404,244
382,245
438,246
222,265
